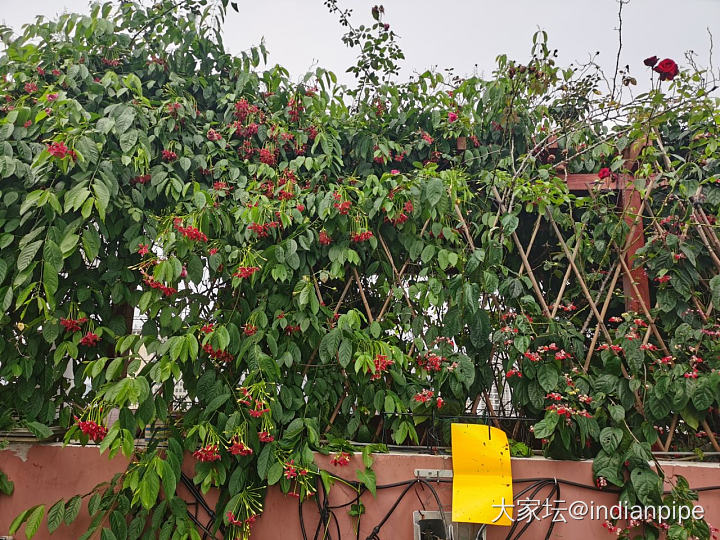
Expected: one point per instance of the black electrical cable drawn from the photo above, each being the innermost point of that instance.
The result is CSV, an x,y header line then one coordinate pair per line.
x,y
537,484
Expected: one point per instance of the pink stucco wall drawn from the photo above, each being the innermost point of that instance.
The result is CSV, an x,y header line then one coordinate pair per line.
x,y
45,473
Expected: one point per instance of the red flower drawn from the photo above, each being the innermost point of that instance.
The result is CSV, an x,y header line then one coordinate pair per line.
x,y
663,279
651,61
213,135
169,155
325,240
265,437
440,402
245,271
90,339
207,328
92,429
452,117
424,396
395,171
604,173
52,97
56,72
341,459
143,249
30,87
250,329
667,69
207,453
300,208
238,448
58,149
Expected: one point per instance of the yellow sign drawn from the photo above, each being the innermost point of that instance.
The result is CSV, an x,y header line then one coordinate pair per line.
x,y
482,478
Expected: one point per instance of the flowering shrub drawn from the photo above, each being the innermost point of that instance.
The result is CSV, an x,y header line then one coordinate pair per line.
x,y
313,271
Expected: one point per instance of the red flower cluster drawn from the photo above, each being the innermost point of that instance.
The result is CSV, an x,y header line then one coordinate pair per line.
x,y
154,284
173,108
218,354
431,362
427,138
604,173
141,179
232,520
382,363
169,155
207,453
243,109
513,373
263,229
265,437
296,107
259,409
213,135
92,429
292,329
300,208
452,117
250,329
533,357
325,240
341,459
90,339
207,328
30,87
663,279
143,249
342,207
238,448
245,131
59,150
267,157
424,396
361,236
73,325
244,272
189,232
291,470
112,62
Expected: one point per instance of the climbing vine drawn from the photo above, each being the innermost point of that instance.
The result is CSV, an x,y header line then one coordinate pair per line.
x,y
259,269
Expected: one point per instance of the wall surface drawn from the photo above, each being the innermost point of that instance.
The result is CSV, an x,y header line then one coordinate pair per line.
x,y
46,473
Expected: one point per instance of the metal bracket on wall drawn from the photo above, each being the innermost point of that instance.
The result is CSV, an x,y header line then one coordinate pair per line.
x,y
433,474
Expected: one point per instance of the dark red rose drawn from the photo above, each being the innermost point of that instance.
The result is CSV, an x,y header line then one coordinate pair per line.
x,y
667,69
604,173
651,61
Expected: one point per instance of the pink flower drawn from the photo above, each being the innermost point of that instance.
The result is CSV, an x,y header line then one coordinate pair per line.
x,y
143,249
394,171
452,117
52,97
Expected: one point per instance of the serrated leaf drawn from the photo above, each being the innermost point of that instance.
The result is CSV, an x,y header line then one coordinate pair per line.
x,y
55,515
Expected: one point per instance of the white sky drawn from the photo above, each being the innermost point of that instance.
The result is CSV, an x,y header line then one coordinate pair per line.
x,y
456,33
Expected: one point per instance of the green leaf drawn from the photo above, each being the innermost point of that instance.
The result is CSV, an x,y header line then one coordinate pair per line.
x,y
91,243
55,515
547,376
610,439
274,473
149,488
6,486
28,254
41,431
367,477
34,520
72,509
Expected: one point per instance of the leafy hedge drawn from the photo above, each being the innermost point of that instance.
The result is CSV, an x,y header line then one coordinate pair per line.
x,y
313,263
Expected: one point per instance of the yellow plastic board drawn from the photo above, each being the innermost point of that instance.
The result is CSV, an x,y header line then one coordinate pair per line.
x,y
482,477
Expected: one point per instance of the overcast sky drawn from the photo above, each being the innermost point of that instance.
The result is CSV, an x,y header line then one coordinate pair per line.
x,y
456,33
